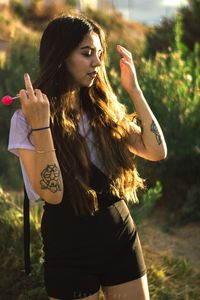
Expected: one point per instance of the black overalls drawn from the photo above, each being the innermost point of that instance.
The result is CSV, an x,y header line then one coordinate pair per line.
x,y
82,253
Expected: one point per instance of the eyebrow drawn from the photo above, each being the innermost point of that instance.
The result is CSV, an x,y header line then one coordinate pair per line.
x,y
91,48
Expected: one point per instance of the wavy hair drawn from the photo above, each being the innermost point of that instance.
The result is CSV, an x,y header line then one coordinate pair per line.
x,y
108,118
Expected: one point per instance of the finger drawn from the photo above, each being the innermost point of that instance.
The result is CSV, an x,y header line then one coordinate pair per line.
x,y
38,94
124,52
125,62
28,85
120,47
45,97
23,96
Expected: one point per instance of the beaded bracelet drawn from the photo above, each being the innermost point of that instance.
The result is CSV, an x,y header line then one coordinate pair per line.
x,y
41,152
42,128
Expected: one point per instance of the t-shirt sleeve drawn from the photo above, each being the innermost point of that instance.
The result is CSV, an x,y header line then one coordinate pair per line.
x,y
18,136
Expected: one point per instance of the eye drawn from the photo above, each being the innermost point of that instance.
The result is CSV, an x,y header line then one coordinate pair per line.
x,y
87,54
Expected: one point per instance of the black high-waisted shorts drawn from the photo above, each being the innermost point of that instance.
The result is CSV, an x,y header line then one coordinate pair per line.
x,y
82,254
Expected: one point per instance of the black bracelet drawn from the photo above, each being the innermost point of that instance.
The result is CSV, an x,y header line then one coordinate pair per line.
x,y
42,128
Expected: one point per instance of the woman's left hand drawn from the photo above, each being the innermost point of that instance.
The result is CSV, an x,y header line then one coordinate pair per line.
x,y
128,73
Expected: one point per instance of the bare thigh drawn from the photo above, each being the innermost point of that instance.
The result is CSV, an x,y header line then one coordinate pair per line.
x,y
92,297
132,290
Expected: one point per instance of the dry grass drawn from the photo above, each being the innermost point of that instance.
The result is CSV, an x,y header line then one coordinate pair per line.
x,y
172,258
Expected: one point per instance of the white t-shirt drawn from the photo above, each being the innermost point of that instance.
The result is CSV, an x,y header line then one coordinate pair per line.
x,y
18,138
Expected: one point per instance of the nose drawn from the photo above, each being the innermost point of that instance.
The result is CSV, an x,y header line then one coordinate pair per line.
x,y
96,61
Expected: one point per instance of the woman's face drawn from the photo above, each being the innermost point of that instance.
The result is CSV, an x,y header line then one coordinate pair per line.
x,y
84,62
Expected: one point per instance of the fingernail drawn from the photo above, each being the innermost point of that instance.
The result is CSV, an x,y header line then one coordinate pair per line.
x,y
26,75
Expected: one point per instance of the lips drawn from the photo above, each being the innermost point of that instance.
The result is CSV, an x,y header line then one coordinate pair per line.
x,y
92,74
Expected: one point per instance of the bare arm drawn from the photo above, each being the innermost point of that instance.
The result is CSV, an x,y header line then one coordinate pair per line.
x,y
43,169
149,142
41,165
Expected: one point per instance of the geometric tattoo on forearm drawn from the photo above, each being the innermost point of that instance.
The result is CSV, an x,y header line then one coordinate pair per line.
x,y
154,129
51,178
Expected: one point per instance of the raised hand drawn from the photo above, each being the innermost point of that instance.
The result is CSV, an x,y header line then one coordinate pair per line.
x,y
35,105
128,73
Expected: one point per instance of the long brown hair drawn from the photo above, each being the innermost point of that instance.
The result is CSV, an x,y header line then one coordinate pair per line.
x,y
107,116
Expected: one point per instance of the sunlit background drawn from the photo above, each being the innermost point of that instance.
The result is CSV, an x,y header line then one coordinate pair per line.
x,y
147,11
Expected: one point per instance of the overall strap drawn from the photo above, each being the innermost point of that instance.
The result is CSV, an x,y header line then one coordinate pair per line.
x,y
26,234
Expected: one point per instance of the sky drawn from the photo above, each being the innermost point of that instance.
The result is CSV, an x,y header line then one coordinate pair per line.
x,y
148,11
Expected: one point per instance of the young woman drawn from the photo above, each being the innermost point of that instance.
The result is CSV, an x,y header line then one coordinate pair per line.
x,y
76,145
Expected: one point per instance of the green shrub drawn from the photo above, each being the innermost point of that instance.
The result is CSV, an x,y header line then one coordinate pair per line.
x,y
10,176
21,58
19,9
190,209
161,38
171,86
147,203
14,284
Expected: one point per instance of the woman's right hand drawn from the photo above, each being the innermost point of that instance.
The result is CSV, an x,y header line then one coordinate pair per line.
x,y
35,105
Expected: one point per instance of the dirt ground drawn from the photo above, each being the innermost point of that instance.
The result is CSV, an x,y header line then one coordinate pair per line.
x,y
179,241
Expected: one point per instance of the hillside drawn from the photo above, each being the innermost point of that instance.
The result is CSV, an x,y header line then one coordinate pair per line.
x,y
33,20
11,26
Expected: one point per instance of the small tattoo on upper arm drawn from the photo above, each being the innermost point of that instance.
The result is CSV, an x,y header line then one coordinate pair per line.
x,y
51,178
154,129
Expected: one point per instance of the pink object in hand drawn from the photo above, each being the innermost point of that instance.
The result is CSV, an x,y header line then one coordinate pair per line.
x,y
7,100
